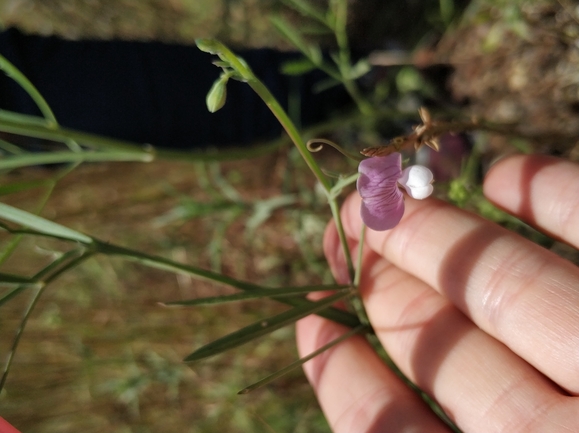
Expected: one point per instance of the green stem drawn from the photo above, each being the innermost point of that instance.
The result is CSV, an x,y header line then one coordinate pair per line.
x,y
263,92
225,54
343,239
357,301
28,159
291,130
344,63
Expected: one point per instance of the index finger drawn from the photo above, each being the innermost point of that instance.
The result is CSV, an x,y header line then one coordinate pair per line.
x,y
516,291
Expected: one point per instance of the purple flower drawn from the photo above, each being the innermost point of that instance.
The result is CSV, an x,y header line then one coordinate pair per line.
x,y
382,201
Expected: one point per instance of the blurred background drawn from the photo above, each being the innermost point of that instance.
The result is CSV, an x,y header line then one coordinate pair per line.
x,y
99,353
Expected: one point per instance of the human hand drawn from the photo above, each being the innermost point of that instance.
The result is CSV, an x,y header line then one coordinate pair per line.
x,y
478,317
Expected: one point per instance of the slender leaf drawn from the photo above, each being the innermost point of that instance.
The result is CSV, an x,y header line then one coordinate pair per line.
x,y
446,11
190,209
13,293
263,327
361,68
297,67
226,189
14,187
307,9
8,147
25,83
340,316
220,230
263,209
24,119
40,224
40,129
256,294
292,35
302,361
342,183
31,159
326,84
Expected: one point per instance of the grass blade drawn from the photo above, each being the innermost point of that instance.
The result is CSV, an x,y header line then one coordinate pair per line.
x,y
263,327
256,294
41,225
302,361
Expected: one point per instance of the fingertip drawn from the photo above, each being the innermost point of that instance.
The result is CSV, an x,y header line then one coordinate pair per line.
x,y
509,178
524,185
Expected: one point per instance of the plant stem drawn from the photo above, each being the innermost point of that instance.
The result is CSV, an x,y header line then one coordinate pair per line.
x,y
344,60
343,240
247,75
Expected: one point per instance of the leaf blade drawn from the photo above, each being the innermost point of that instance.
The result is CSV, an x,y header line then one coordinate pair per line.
x,y
302,361
259,329
41,225
256,294
339,316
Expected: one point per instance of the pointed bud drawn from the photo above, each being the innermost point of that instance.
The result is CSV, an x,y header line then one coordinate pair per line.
x,y
217,94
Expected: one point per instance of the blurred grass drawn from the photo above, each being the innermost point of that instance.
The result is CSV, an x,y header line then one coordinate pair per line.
x,y
99,354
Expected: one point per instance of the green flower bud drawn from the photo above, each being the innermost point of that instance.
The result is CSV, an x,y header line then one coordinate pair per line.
x,y
217,94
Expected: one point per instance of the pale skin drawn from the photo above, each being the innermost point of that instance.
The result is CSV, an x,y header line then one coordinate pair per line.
x,y
478,317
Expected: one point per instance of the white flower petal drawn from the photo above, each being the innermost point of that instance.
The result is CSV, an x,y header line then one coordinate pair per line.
x,y
417,180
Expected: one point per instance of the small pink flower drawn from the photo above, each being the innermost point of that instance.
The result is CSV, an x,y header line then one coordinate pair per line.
x,y
382,200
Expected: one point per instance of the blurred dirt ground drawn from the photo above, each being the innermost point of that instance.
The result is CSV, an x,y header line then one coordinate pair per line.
x,y
100,354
